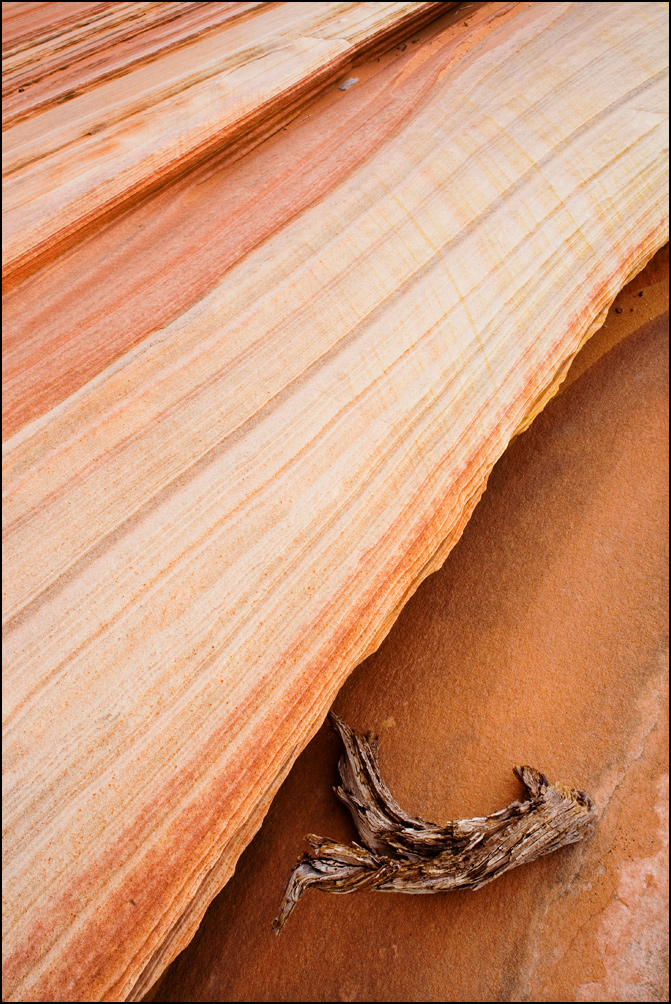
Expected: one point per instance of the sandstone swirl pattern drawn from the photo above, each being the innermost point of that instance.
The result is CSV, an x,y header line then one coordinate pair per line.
x,y
218,496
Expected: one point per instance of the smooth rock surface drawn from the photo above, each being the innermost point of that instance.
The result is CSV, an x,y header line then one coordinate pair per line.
x,y
95,150
543,639
67,323
211,516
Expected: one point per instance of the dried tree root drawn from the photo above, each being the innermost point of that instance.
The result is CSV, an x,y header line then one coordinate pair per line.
x,y
405,854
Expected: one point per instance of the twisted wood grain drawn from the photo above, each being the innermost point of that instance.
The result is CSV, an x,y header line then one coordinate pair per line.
x,y
277,413
402,853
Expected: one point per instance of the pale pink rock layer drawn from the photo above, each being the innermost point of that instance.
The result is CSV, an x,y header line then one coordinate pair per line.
x,y
42,69
544,639
81,160
68,323
209,528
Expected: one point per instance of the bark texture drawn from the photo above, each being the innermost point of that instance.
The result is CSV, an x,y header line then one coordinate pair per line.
x,y
402,853
265,340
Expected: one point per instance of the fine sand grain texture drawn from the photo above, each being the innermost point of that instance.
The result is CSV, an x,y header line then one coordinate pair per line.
x,y
265,339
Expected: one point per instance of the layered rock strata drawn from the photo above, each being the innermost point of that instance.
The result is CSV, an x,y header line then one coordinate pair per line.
x,y
246,418
544,635
78,153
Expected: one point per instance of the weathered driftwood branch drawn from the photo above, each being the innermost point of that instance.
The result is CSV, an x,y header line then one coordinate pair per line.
x,y
249,415
406,854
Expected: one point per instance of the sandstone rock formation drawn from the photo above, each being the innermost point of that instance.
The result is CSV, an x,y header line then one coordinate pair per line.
x,y
253,391
544,635
79,151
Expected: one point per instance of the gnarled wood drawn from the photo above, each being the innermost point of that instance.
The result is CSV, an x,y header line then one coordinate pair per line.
x,y
402,853
242,436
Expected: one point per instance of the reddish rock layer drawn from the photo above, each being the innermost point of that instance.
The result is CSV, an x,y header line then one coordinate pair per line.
x,y
66,324
203,538
543,640
78,162
98,46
